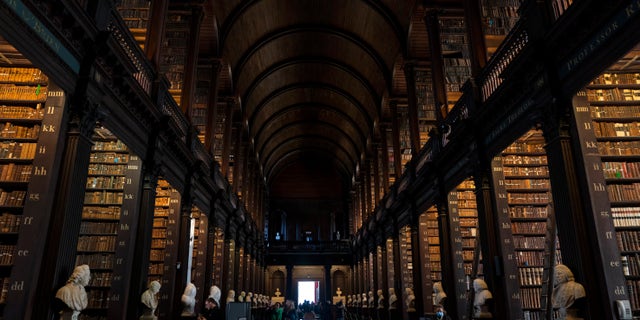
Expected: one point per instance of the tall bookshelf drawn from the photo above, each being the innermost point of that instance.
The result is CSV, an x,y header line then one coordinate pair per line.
x,y
241,270
406,259
499,17
218,256
23,123
463,223
107,214
529,204
201,103
425,103
163,242
455,51
610,109
405,136
230,266
200,221
391,268
468,214
220,130
173,56
391,155
429,247
135,14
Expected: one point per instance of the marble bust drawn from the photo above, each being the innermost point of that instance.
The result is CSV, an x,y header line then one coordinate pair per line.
x,y
410,301
150,301
215,294
73,293
565,293
338,292
277,293
188,300
482,296
380,299
365,303
231,296
371,299
393,299
438,294
242,296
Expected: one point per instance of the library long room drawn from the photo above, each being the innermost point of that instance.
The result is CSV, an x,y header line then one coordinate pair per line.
x,y
320,159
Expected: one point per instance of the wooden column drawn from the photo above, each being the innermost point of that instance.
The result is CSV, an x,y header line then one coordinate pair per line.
x,y
158,16
143,236
477,45
498,261
191,63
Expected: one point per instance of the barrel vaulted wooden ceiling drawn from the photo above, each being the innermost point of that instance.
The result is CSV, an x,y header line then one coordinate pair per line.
x,y
313,77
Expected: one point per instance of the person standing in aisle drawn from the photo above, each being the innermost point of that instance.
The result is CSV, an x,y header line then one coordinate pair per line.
x,y
211,310
290,312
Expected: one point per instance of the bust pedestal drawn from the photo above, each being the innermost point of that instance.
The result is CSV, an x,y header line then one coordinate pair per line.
x,y
69,314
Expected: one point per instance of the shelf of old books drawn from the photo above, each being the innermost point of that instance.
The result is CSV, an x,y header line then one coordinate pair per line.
x,y
425,103
230,265
455,52
406,257
107,214
499,17
30,112
201,104
391,265
135,14
218,256
390,154
173,56
405,136
240,269
467,212
613,101
163,253
525,183
429,246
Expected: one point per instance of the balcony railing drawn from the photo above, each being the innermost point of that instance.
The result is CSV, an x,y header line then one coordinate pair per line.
x,y
338,246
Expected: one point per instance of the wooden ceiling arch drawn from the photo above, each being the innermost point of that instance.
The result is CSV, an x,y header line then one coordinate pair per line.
x,y
312,75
